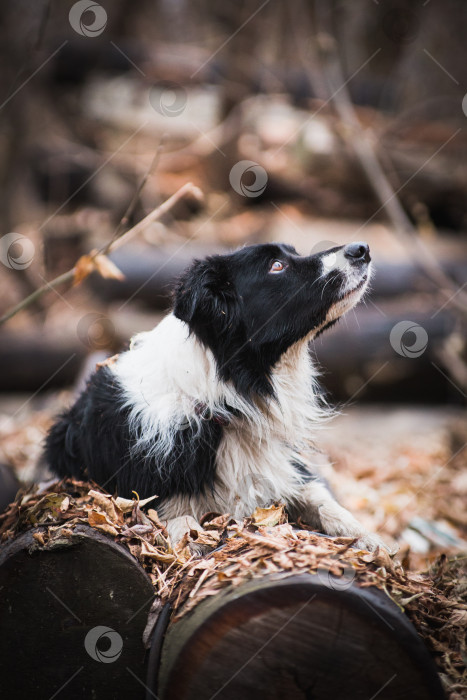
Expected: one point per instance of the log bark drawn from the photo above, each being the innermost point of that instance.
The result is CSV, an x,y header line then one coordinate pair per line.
x,y
53,601
296,638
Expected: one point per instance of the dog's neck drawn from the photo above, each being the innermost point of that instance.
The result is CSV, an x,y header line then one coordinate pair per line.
x,y
168,372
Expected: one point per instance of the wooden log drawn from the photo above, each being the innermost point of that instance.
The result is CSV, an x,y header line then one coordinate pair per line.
x,y
297,637
150,274
397,279
72,615
31,361
371,368
34,361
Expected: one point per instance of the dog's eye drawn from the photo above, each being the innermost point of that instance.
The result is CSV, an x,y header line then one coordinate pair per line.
x,y
277,266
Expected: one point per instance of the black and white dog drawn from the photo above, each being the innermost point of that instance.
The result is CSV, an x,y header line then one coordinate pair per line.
x,y
213,410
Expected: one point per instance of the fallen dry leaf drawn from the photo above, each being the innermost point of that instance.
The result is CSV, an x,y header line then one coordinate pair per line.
x,y
39,537
154,518
127,504
65,504
101,522
83,268
274,515
108,505
106,268
148,550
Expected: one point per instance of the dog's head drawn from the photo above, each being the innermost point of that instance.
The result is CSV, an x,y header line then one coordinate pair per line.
x,y
250,306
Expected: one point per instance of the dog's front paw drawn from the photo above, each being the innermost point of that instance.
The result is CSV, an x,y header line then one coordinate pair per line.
x,y
183,531
371,542
337,521
187,535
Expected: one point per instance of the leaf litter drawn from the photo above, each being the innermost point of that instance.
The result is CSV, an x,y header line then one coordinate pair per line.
x,y
435,600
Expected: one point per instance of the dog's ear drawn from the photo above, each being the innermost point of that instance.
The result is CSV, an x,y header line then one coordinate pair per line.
x,y
205,295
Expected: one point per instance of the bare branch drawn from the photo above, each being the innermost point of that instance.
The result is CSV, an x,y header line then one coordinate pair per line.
x,y
70,275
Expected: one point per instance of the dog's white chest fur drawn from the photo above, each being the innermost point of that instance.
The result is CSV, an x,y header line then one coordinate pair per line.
x,y
168,373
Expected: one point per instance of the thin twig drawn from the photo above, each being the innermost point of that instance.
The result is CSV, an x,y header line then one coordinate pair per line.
x,y
69,276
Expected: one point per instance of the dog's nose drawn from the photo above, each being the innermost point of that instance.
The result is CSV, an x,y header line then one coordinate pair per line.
x,y
357,252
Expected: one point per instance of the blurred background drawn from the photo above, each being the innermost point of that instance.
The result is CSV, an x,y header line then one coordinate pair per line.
x,y
312,123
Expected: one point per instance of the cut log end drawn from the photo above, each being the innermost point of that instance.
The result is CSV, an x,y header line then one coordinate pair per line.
x,y
72,618
296,638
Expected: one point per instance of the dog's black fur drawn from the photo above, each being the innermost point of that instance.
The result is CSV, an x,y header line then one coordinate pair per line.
x,y
247,308
93,439
249,318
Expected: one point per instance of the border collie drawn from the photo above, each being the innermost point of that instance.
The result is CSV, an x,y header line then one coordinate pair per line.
x,y
214,409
